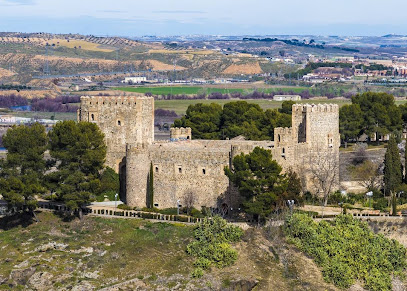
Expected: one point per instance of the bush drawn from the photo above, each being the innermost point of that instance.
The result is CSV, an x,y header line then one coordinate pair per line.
x,y
182,218
168,211
352,198
347,250
145,209
197,273
380,204
309,198
109,194
212,246
147,215
109,181
124,207
335,198
309,213
196,213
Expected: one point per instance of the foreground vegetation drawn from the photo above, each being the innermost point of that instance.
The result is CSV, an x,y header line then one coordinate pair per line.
x,y
93,253
96,251
212,246
347,250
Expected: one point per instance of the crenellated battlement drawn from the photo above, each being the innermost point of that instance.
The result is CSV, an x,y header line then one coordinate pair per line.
x,y
122,119
180,133
98,101
283,136
325,108
283,130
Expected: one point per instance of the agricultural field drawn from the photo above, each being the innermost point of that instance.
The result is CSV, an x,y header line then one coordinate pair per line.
x,y
180,106
193,52
46,115
85,45
177,90
193,90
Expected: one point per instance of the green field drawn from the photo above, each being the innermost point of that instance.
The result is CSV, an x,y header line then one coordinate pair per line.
x,y
46,115
180,106
193,90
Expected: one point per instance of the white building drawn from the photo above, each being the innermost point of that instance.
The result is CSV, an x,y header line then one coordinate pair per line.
x,y
287,98
7,119
134,80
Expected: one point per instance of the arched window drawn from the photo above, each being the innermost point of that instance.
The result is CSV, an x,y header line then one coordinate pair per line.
x,y
156,169
119,123
203,171
92,117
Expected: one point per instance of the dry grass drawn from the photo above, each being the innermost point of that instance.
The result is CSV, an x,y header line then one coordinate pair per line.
x,y
85,45
192,52
246,69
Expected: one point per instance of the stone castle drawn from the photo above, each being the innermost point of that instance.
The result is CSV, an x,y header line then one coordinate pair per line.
x,y
182,166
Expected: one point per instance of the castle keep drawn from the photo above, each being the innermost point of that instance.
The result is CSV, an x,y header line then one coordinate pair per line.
x,y
182,166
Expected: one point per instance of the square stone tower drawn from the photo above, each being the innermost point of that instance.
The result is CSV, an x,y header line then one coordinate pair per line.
x,y
123,120
316,125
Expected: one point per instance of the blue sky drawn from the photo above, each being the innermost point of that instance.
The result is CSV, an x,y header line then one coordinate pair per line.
x,y
226,17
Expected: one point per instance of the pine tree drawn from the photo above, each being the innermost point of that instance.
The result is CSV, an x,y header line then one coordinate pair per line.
x,y
22,172
392,167
80,151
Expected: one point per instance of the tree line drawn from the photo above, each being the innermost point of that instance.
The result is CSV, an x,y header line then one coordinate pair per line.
x,y
372,114
73,173
211,121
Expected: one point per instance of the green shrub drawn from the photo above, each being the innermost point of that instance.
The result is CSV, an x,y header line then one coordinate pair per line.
x,y
197,273
196,213
309,213
352,198
212,245
109,194
380,204
124,207
168,211
145,209
182,218
347,250
335,198
109,181
147,215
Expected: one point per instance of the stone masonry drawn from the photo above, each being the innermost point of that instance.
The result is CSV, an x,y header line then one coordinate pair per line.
x,y
182,166
123,120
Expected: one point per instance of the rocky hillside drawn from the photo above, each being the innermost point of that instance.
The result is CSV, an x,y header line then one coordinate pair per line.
x,y
24,56
128,254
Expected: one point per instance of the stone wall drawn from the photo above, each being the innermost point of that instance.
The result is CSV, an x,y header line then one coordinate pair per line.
x,y
183,166
122,119
180,133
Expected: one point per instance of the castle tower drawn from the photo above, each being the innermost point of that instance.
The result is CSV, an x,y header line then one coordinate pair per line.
x,y
316,125
123,120
137,168
315,129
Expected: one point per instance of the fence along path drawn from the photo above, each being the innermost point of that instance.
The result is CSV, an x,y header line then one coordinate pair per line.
x,y
114,212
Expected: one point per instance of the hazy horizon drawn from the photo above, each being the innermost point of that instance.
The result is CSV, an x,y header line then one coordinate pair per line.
x,y
227,17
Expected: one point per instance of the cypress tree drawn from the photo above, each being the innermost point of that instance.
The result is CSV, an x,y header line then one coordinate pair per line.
x,y
150,198
392,167
394,205
405,162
